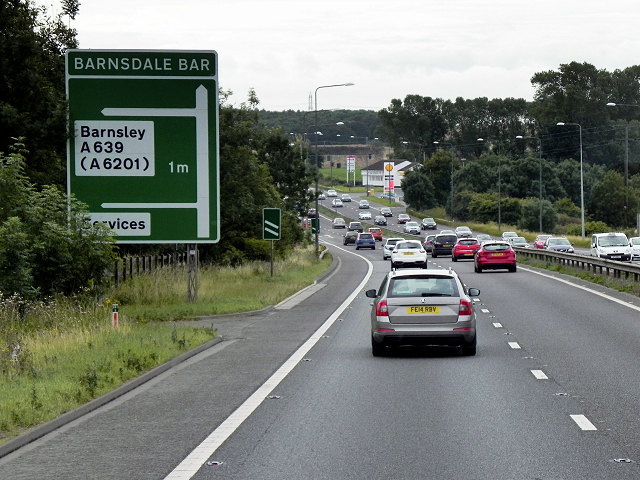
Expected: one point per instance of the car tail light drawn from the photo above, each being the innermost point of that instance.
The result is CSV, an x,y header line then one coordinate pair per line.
x,y
381,309
465,307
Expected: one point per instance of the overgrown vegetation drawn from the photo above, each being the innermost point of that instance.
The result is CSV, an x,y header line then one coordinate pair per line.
x,y
58,353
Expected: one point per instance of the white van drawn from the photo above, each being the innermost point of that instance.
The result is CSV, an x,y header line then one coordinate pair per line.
x,y
612,246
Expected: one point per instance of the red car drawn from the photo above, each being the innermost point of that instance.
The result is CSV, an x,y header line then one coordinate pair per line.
x,y
495,255
376,232
465,248
539,241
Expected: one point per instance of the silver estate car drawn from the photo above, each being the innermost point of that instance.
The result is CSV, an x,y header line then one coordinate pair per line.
x,y
422,308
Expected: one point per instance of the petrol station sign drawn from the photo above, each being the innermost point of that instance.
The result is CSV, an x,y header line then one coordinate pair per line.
x,y
143,154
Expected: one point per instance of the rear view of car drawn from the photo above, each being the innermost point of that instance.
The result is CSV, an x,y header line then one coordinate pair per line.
x,y
465,248
428,242
365,240
376,232
408,253
463,232
443,244
495,255
349,238
339,222
412,227
420,308
389,245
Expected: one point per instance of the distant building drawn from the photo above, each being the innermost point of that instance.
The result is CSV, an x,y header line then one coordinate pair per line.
x,y
373,176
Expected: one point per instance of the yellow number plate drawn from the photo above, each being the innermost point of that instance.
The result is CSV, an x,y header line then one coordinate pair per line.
x,y
497,254
423,309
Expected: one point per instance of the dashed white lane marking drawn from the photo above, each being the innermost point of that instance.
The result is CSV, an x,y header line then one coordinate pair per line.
x,y
539,374
497,325
485,310
514,345
583,422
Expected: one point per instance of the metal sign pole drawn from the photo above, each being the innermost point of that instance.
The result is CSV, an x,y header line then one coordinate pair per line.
x,y
192,273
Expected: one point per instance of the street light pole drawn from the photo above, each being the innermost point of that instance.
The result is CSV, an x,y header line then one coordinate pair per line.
x,y
581,176
499,189
626,150
540,179
317,167
452,158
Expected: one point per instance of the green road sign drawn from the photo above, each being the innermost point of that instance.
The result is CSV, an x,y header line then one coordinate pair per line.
x,y
144,153
271,223
314,226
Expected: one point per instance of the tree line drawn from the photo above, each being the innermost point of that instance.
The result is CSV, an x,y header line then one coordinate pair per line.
x,y
479,158
259,166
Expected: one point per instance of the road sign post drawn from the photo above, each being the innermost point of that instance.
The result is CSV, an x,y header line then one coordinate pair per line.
x,y
271,227
144,151
271,223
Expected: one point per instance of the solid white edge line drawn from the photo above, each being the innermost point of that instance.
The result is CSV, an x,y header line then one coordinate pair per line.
x,y
196,459
583,422
539,374
586,289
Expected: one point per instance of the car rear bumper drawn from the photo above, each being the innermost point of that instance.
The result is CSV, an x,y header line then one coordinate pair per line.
x,y
427,336
496,265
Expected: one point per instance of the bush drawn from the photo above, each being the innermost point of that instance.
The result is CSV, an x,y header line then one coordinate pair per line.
x,y
47,244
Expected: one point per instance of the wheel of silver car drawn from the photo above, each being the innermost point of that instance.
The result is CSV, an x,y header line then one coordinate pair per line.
x,y
469,348
376,349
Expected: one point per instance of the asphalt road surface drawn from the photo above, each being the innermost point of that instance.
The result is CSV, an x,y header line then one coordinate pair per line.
x,y
295,393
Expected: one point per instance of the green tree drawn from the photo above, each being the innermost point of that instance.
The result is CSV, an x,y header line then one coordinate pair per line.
x,y
439,168
567,207
32,90
247,152
608,201
483,207
418,189
575,93
47,243
530,219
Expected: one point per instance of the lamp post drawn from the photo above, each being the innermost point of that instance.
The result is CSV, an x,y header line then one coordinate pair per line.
x,y
540,179
581,175
626,149
499,190
438,143
320,133
317,173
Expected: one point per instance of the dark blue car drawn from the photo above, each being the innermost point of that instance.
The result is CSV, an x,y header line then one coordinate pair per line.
x,y
365,240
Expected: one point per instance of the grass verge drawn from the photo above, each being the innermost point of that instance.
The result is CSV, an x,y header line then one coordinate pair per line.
x,y
59,354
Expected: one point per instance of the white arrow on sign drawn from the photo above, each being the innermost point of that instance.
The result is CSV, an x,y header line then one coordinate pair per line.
x,y
201,114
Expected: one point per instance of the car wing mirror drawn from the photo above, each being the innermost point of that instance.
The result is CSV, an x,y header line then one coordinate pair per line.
x,y
474,292
371,293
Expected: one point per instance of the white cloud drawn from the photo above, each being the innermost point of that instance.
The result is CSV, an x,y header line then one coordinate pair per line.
x,y
286,48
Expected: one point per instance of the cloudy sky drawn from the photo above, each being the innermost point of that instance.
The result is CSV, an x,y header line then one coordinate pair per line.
x,y
285,49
